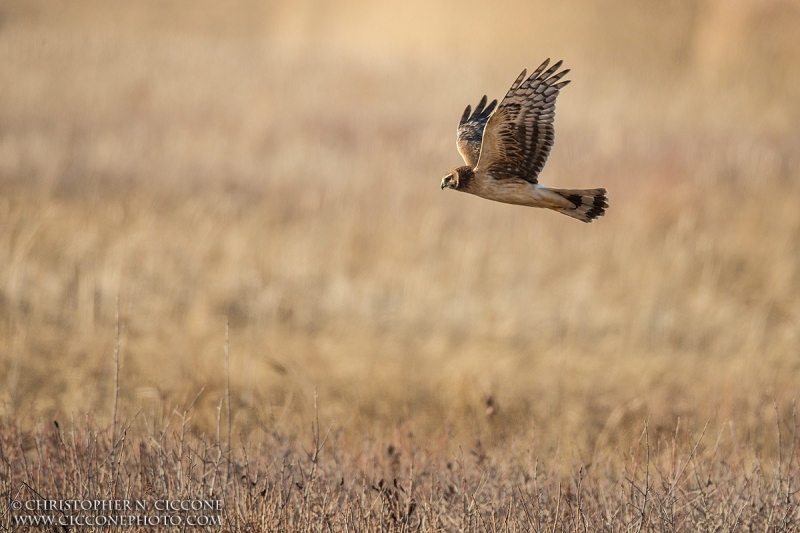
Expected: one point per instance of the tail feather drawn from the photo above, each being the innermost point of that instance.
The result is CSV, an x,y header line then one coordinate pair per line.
x,y
589,203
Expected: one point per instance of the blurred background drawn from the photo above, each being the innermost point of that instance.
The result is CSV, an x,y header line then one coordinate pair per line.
x,y
275,165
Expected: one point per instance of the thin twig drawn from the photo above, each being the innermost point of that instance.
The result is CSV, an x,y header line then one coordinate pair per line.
x,y
228,376
116,372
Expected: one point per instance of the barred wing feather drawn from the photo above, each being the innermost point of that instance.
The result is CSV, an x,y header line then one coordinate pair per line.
x,y
518,137
470,131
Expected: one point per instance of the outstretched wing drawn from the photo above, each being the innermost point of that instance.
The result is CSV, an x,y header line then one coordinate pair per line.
x,y
519,136
470,131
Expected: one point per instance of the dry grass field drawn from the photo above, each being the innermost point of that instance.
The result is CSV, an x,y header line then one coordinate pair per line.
x,y
170,171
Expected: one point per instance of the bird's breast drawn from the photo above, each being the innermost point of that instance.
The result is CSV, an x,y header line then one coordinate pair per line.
x,y
508,190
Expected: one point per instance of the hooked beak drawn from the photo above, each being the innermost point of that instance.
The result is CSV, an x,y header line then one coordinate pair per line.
x,y
446,181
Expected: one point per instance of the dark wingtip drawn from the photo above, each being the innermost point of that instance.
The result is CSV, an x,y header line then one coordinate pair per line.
x,y
552,70
480,106
520,79
539,69
560,75
465,116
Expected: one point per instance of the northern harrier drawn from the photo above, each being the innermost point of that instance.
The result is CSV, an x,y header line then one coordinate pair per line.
x,y
506,150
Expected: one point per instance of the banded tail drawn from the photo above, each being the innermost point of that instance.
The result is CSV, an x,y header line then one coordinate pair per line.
x,y
589,203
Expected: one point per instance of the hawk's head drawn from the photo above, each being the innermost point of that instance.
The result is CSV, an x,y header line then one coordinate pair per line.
x,y
458,178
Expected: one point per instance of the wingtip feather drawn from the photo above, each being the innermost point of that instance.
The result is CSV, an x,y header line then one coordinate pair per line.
x,y
465,116
480,106
539,69
517,82
552,69
553,79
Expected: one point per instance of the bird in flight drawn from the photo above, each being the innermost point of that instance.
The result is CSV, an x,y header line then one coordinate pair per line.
x,y
505,149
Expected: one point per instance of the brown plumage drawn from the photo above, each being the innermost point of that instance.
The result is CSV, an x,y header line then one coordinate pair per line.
x,y
505,148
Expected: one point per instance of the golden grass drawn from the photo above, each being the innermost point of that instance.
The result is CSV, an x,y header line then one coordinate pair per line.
x,y
277,166
318,482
